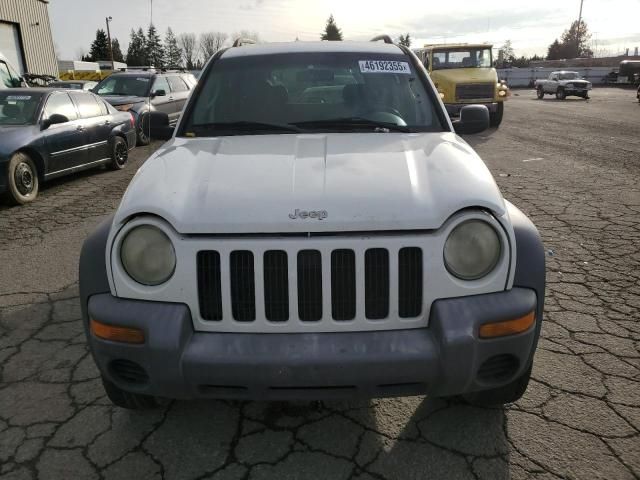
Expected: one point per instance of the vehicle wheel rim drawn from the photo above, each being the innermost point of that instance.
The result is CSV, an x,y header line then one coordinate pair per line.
x,y
142,130
24,179
121,153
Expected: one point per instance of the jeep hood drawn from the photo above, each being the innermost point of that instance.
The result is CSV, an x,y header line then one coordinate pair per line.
x,y
364,182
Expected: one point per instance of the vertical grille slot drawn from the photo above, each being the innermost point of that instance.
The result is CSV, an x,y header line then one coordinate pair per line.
x,y
410,282
376,287
309,285
209,285
243,295
343,284
276,286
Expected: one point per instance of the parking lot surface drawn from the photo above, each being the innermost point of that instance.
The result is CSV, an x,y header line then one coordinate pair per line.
x,y
572,166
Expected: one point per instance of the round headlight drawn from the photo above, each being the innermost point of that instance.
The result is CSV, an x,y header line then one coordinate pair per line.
x,y
147,255
472,250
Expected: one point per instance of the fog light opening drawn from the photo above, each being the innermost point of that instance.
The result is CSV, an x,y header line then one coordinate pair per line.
x,y
116,334
509,327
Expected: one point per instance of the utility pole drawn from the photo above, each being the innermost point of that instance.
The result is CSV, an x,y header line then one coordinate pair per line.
x,y
579,31
113,65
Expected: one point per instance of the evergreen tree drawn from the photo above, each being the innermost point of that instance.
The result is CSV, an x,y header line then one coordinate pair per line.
x,y
137,52
100,47
173,54
331,30
405,40
154,49
572,44
117,52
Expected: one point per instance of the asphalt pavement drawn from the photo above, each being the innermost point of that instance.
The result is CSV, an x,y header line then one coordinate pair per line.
x,y
573,166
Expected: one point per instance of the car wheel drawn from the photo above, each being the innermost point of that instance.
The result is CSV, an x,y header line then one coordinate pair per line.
x,y
560,95
499,396
495,118
540,93
119,153
142,130
23,182
128,400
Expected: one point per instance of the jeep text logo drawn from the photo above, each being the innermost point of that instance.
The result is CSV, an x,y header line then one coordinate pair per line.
x,y
304,214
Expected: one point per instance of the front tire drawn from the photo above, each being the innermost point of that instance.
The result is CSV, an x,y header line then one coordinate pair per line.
x,y
119,153
540,93
142,130
128,400
23,182
560,94
502,395
495,118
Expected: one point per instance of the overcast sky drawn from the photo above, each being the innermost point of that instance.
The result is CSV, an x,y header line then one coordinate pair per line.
x,y
530,24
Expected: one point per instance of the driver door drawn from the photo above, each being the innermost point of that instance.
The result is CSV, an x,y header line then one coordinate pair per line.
x,y
66,142
163,103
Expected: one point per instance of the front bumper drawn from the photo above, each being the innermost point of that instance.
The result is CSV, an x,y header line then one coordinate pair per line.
x,y
447,358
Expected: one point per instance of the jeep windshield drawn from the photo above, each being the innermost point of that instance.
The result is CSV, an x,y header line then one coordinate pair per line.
x,y
311,92
124,85
462,58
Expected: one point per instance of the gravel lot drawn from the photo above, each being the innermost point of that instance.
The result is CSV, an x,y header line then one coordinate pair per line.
x,y
572,166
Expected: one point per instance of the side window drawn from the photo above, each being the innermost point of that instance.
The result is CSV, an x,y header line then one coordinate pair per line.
x,y
87,105
102,104
61,104
161,84
5,76
177,84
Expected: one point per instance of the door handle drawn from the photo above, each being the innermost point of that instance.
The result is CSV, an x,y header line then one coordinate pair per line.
x,y
80,128
171,98
107,122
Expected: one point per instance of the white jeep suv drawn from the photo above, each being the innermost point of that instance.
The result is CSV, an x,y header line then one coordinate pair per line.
x,y
314,228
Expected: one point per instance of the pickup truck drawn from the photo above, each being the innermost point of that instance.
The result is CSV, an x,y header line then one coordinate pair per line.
x,y
563,84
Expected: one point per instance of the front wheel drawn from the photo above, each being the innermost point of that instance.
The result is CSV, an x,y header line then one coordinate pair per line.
x,y
540,93
22,178
495,118
119,153
142,130
128,400
499,396
560,94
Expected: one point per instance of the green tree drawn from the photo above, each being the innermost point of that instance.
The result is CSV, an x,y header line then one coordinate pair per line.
x,y
405,40
572,44
117,51
154,48
506,55
137,51
173,54
100,47
331,30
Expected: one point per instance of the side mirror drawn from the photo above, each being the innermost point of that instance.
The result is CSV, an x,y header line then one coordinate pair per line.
x,y
158,93
54,119
473,119
160,128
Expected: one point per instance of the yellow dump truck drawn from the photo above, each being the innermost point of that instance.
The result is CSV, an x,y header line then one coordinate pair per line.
x,y
464,74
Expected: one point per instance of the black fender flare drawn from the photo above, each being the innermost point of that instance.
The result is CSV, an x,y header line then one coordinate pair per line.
x,y
530,269
93,277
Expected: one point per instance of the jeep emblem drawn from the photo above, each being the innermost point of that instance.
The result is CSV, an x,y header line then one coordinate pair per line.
x,y
304,214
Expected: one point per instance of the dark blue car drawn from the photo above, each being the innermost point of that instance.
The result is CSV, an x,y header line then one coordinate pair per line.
x,y
47,133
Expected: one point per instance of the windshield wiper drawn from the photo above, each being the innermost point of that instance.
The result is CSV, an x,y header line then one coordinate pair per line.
x,y
355,122
244,126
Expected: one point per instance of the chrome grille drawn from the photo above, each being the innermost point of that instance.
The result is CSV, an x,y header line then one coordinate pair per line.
x,y
475,91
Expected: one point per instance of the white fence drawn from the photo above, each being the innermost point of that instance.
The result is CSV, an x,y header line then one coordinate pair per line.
x,y
524,77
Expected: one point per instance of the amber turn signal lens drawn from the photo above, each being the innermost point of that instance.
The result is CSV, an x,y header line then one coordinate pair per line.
x,y
116,334
510,327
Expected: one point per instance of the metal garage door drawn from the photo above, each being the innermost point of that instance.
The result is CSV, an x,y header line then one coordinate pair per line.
x,y
10,45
